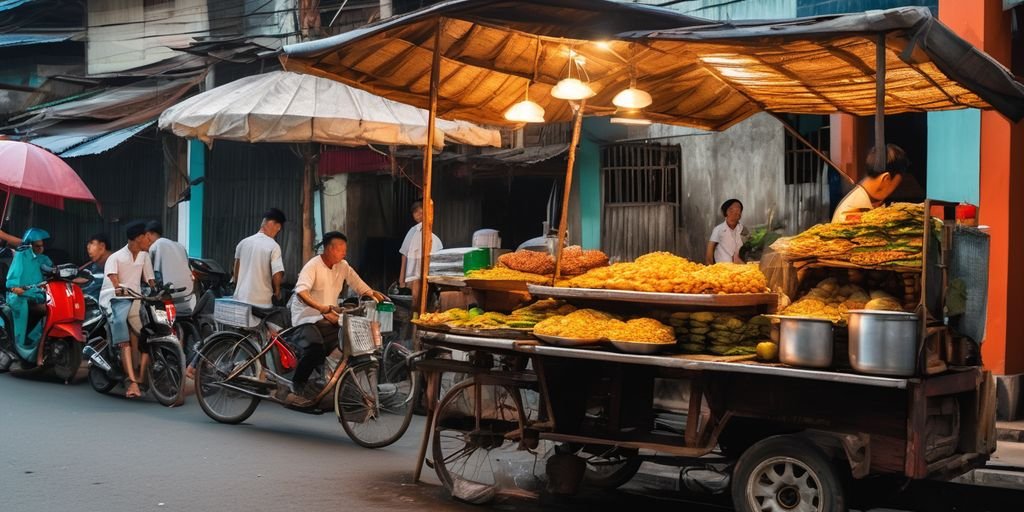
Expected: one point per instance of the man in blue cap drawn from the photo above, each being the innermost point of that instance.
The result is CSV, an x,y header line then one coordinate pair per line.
x,y
28,304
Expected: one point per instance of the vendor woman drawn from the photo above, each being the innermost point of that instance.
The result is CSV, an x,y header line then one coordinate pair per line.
x,y
877,186
727,238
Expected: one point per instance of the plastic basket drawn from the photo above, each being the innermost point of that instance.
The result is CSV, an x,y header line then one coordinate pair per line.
x,y
233,313
359,337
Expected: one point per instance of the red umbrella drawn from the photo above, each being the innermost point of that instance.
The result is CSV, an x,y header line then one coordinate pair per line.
x,y
33,172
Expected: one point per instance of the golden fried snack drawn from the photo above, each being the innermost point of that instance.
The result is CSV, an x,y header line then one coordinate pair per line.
x,y
507,274
576,260
533,262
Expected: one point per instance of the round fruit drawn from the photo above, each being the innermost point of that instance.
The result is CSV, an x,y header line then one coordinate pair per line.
x,y
767,351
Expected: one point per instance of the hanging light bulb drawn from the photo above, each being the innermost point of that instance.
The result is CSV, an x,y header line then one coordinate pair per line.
x,y
630,116
632,98
573,89
525,111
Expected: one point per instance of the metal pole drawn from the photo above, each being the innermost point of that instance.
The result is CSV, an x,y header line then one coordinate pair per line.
x,y
7,202
563,223
880,149
428,168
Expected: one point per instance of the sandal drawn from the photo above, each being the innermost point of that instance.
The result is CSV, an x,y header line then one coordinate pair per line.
x,y
128,389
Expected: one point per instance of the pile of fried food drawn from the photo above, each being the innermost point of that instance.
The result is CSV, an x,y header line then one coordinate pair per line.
x,y
575,261
886,236
723,334
593,325
832,301
667,273
522,318
507,274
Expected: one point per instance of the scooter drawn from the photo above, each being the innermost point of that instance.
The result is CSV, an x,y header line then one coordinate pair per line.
x,y
210,276
62,338
166,371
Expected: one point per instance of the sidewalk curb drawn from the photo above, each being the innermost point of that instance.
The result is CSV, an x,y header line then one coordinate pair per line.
x,y
1000,478
1012,434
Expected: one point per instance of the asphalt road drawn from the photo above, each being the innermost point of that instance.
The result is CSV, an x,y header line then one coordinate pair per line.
x,y
68,448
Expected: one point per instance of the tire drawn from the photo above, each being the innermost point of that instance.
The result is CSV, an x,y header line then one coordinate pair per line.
x,y
467,458
69,360
787,473
221,353
99,380
167,372
373,411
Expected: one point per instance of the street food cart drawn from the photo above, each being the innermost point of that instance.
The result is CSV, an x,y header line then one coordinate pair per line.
x,y
525,414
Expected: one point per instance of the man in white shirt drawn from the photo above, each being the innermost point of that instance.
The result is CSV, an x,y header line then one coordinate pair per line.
x,y
259,268
315,306
128,268
727,238
879,183
412,255
170,263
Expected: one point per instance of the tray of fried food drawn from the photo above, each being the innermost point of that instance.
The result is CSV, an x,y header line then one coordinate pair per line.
x,y
642,336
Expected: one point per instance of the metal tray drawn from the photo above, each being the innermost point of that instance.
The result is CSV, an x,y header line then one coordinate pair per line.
x,y
635,347
500,332
677,299
560,341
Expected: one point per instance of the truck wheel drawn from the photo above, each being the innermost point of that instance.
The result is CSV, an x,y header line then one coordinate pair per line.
x,y
786,473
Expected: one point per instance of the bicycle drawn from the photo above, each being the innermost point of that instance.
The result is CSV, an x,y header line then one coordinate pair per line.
x,y
236,370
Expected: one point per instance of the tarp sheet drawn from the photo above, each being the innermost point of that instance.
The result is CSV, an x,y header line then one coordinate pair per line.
x,y
290,107
700,73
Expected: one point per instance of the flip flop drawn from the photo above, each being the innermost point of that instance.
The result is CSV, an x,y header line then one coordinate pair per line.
x,y
127,392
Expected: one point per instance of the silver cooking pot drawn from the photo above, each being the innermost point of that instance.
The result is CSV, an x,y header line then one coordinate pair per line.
x,y
883,342
805,341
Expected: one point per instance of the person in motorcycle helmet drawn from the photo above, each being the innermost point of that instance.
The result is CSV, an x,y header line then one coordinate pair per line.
x,y
27,304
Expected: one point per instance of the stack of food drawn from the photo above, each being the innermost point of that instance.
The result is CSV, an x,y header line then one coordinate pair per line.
x,y
831,301
575,261
667,273
475,318
718,333
593,325
887,236
507,274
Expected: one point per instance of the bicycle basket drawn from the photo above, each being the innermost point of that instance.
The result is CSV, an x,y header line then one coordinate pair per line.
x,y
233,313
359,336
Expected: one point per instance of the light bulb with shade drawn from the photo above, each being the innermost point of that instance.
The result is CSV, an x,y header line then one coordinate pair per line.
x,y
633,99
525,111
572,89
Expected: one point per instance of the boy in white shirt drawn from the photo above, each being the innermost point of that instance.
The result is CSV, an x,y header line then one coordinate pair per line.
x,y
259,268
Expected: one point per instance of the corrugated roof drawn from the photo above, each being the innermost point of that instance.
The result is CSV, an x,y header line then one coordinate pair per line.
x,y
6,5
19,39
75,144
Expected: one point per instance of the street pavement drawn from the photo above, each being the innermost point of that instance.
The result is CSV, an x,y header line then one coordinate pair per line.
x,y
66,447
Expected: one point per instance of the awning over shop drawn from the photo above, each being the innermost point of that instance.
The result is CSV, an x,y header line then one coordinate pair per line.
x,y
493,50
699,73
22,39
290,107
84,143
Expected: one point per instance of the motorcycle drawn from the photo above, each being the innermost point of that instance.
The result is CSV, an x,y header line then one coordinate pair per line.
x,y
62,334
210,276
166,370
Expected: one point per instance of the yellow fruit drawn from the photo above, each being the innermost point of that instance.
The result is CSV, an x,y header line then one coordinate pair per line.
x,y
767,351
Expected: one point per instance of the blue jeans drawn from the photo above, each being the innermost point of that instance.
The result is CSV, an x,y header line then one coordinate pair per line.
x,y
124,318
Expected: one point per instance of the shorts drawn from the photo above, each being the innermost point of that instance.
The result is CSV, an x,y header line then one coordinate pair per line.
x,y
124,316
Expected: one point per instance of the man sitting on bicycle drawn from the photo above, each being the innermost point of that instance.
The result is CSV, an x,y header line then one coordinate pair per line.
x,y
315,307
128,268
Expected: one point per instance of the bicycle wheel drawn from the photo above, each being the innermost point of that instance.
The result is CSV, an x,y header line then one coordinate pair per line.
x,y
167,372
474,456
221,354
372,411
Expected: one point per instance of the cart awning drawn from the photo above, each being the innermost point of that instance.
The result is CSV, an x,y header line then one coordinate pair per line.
x,y
700,73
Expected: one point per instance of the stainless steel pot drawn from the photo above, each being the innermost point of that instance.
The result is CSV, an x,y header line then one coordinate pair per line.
x,y
883,342
805,341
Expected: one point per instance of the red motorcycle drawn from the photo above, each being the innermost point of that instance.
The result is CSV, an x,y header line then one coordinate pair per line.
x,y
62,338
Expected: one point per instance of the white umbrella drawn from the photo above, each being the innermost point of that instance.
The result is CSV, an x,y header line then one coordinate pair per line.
x,y
282,106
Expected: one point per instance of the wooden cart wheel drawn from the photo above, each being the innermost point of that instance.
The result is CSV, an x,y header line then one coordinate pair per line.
x,y
473,455
787,473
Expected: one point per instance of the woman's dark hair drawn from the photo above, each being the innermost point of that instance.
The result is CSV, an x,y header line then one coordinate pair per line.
x,y
896,161
730,202
331,236
416,205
